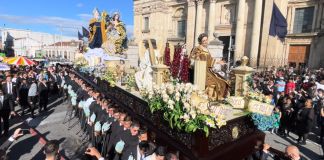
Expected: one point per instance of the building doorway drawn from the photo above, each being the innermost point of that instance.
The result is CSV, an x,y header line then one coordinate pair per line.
x,y
226,42
298,55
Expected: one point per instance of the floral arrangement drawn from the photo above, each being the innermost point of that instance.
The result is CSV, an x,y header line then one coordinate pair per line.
x,y
81,62
110,76
259,97
183,107
130,81
263,122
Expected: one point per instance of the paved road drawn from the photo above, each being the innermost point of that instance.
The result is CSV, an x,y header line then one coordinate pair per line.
x,y
312,150
49,125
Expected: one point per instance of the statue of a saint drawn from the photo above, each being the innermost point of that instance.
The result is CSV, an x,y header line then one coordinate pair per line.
x,y
216,86
144,77
116,35
119,27
96,28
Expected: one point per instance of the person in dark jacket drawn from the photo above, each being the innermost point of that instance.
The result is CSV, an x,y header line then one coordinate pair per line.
x,y
305,120
5,109
43,94
10,90
23,95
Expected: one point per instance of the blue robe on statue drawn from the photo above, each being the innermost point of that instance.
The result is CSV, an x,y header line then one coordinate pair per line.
x,y
96,41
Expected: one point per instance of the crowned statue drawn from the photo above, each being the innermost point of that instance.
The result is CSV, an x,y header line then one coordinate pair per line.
x,y
116,35
107,37
96,30
215,84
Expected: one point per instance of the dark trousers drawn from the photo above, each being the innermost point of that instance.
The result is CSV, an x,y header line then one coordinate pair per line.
x,y
4,115
43,103
32,100
322,133
302,136
11,99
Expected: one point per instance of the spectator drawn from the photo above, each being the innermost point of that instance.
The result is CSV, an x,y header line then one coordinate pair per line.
x,y
7,144
43,94
5,110
94,152
305,120
51,150
32,98
291,153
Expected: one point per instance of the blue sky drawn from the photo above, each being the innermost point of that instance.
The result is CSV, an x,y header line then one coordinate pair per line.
x,y
49,15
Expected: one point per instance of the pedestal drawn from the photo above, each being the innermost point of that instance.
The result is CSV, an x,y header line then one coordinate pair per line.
x,y
200,74
160,73
242,73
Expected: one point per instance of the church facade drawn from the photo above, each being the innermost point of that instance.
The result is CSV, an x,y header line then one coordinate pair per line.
x,y
243,23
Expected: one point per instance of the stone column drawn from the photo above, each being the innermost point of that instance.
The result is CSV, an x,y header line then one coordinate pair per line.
x,y
319,17
212,17
239,32
198,19
191,19
256,33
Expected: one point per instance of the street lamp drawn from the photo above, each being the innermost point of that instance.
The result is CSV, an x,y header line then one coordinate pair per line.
x,y
231,48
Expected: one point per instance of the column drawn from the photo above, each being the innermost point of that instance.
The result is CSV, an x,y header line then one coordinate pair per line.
x,y
256,33
198,19
212,17
239,33
319,17
191,19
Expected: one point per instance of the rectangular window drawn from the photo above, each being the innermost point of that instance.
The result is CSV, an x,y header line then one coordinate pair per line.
x,y
303,20
146,23
181,29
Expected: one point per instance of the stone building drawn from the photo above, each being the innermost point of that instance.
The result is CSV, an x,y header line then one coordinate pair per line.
x,y
64,50
245,23
27,42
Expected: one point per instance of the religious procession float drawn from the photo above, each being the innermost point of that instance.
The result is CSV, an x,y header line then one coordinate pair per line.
x,y
211,118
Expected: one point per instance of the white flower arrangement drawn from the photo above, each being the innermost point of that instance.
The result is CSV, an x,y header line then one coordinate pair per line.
x,y
183,106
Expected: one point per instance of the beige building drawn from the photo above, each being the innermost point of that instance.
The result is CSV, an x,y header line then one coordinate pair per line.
x,y
63,50
245,22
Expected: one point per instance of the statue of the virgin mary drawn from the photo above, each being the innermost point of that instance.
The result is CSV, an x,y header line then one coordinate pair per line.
x,y
97,30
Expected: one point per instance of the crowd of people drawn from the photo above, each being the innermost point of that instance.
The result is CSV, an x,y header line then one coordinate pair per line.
x,y
29,88
298,96
22,91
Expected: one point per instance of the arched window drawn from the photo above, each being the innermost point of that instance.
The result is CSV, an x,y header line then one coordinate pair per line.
x,y
65,54
179,23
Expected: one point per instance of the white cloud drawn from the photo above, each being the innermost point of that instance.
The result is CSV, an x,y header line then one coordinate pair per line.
x,y
79,5
46,20
85,17
68,26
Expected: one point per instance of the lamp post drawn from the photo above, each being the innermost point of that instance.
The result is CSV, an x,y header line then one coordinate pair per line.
x,y
231,48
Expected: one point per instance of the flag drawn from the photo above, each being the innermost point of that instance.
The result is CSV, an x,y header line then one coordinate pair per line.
x,y
278,24
79,36
85,32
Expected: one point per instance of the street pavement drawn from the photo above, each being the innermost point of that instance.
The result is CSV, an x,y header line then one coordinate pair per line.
x,y
49,126
312,150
